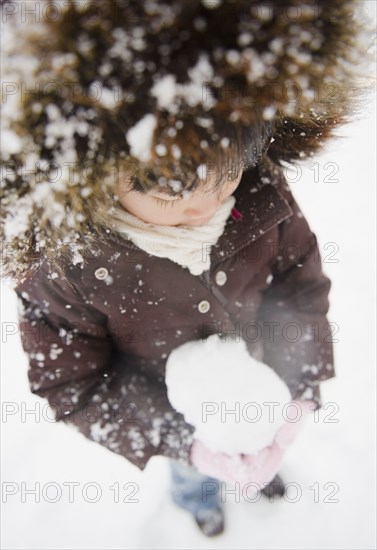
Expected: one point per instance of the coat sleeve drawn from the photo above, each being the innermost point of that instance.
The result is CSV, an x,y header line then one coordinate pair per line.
x,y
74,364
297,336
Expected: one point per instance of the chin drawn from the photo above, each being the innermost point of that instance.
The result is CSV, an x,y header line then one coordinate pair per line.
x,y
194,223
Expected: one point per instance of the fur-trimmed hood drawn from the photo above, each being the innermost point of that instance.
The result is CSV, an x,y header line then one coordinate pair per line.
x,y
93,86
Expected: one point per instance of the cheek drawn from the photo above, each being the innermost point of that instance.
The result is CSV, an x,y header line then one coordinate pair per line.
x,y
139,208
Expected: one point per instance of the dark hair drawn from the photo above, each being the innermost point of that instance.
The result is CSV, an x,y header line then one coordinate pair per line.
x,y
201,153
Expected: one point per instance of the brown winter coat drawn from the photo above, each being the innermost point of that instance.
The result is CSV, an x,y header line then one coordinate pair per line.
x,y
98,341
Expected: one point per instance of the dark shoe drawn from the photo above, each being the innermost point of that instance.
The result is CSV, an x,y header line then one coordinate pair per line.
x,y
211,523
275,488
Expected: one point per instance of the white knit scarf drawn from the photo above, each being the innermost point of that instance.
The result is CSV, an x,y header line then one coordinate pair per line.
x,y
187,246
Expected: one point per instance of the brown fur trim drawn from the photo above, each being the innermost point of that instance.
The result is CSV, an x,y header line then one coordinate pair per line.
x,y
205,70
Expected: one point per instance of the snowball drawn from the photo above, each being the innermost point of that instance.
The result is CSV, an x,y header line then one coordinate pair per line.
x,y
235,402
256,66
202,171
161,150
211,4
225,143
244,39
269,112
200,24
108,98
169,93
176,151
176,185
164,90
140,137
11,142
233,57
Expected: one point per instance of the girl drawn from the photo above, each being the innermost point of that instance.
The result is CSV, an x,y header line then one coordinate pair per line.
x,y
145,206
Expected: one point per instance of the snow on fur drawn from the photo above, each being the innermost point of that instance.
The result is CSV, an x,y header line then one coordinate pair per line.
x,y
81,91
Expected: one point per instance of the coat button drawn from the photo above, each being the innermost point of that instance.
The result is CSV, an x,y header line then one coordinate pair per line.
x,y
221,278
101,273
204,306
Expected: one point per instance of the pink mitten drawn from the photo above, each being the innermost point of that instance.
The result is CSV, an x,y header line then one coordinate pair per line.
x,y
260,468
288,432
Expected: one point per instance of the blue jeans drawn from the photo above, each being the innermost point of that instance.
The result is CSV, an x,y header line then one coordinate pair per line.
x,y
194,492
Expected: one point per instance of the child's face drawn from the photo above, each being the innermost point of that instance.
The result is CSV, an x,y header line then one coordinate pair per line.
x,y
193,210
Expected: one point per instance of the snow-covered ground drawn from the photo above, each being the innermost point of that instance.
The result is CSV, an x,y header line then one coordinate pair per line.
x,y
86,497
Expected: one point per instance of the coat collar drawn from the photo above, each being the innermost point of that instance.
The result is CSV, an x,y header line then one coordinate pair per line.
x,y
257,210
